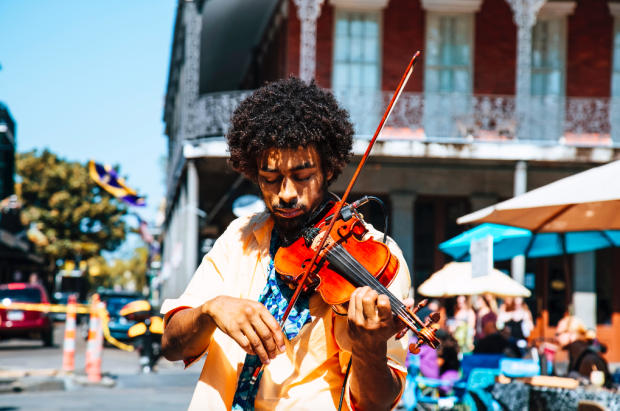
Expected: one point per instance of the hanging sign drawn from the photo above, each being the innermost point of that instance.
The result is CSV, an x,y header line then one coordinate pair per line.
x,y
481,252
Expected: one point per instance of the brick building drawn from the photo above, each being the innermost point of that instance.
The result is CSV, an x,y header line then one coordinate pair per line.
x,y
493,108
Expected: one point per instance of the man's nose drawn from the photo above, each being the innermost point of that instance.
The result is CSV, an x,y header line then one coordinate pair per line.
x,y
288,193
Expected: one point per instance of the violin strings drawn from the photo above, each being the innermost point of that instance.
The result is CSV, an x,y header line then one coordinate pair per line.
x,y
368,279
343,257
362,273
363,277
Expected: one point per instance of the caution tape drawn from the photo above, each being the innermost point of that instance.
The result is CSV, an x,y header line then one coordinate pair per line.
x,y
104,315
46,308
80,309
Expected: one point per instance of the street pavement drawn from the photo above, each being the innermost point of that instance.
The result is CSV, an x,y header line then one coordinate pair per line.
x,y
170,388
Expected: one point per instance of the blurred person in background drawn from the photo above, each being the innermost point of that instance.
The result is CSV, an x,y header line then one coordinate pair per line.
x,y
465,324
516,316
486,315
571,335
448,356
497,342
595,343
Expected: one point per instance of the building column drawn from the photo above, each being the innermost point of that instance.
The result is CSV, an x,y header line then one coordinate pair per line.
x,y
174,283
191,223
520,187
403,225
524,16
308,12
584,288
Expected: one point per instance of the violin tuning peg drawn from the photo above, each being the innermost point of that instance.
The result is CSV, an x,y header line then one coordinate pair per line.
x,y
433,318
400,334
414,349
420,305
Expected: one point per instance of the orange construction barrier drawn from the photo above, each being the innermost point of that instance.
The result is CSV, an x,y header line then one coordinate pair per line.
x,y
68,351
94,346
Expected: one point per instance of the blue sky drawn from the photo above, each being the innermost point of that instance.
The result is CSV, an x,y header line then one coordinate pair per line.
x,y
86,79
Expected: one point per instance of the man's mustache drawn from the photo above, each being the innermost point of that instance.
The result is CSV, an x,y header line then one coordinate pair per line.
x,y
290,205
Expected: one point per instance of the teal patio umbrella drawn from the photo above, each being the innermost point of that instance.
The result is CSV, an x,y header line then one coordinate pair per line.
x,y
509,242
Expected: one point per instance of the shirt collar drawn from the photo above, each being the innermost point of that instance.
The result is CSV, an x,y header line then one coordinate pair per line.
x,y
262,232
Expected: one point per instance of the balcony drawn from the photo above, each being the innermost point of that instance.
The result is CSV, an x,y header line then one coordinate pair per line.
x,y
454,118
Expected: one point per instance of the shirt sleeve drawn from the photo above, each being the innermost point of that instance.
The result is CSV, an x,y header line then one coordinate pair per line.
x,y
206,284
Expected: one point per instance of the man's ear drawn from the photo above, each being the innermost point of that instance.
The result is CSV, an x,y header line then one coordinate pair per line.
x,y
329,174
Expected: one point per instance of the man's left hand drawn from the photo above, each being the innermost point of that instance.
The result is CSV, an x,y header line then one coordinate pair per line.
x,y
371,322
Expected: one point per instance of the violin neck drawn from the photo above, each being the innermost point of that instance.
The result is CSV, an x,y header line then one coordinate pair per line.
x,y
349,268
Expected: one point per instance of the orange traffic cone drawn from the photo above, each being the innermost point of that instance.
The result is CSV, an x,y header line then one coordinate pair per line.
x,y
95,340
68,351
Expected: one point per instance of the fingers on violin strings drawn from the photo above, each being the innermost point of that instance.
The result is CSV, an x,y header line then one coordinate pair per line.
x,y
408,302
369,304
351,312
358,312
384,308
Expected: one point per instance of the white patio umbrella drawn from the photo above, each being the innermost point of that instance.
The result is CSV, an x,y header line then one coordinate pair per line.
x,y
455,279
588,201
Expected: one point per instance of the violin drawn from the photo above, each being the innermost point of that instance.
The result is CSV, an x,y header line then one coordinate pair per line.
x,y
347,261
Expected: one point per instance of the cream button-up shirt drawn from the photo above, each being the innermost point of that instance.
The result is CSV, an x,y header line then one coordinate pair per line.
x,y
310,374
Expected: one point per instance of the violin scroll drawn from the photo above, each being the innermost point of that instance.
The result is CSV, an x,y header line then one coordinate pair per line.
x,y
425,332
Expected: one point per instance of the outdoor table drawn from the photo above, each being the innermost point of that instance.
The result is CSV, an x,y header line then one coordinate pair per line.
x,y
518,396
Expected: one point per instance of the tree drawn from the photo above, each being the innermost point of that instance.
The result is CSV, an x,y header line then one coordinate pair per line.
x,y
77,219
130,274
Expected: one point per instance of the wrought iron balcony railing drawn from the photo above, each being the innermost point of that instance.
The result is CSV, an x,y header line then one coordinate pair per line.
x,y
548,120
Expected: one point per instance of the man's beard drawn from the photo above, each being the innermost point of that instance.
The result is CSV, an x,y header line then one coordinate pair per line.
x,y
290,229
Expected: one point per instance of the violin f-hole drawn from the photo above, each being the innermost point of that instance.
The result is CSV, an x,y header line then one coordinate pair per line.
x,y
344,234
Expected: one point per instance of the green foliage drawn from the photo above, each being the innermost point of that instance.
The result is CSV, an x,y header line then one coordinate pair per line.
x,y
77,218
119,272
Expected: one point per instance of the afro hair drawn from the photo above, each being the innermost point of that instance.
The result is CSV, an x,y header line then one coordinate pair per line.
x,y
290,114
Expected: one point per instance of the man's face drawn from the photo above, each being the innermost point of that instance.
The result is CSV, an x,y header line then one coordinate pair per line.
x,y
293,185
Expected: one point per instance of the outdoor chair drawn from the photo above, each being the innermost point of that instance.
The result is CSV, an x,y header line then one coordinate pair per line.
x,y
426,391
517,368
476,397
472,361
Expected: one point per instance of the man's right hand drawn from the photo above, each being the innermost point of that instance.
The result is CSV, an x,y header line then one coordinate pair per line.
x,y
249,323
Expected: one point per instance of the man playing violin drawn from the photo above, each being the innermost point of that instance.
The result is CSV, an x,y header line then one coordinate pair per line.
x,y
293,140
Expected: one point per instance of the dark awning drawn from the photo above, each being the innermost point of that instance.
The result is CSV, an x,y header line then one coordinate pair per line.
x,y
231,29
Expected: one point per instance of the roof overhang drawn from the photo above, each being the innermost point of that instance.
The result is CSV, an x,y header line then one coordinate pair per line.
x,y
231,30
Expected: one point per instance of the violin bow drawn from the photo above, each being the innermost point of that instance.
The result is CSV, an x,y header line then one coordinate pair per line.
x,y
341,203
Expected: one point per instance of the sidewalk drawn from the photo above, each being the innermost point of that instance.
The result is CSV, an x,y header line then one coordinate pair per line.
x,y
171,388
